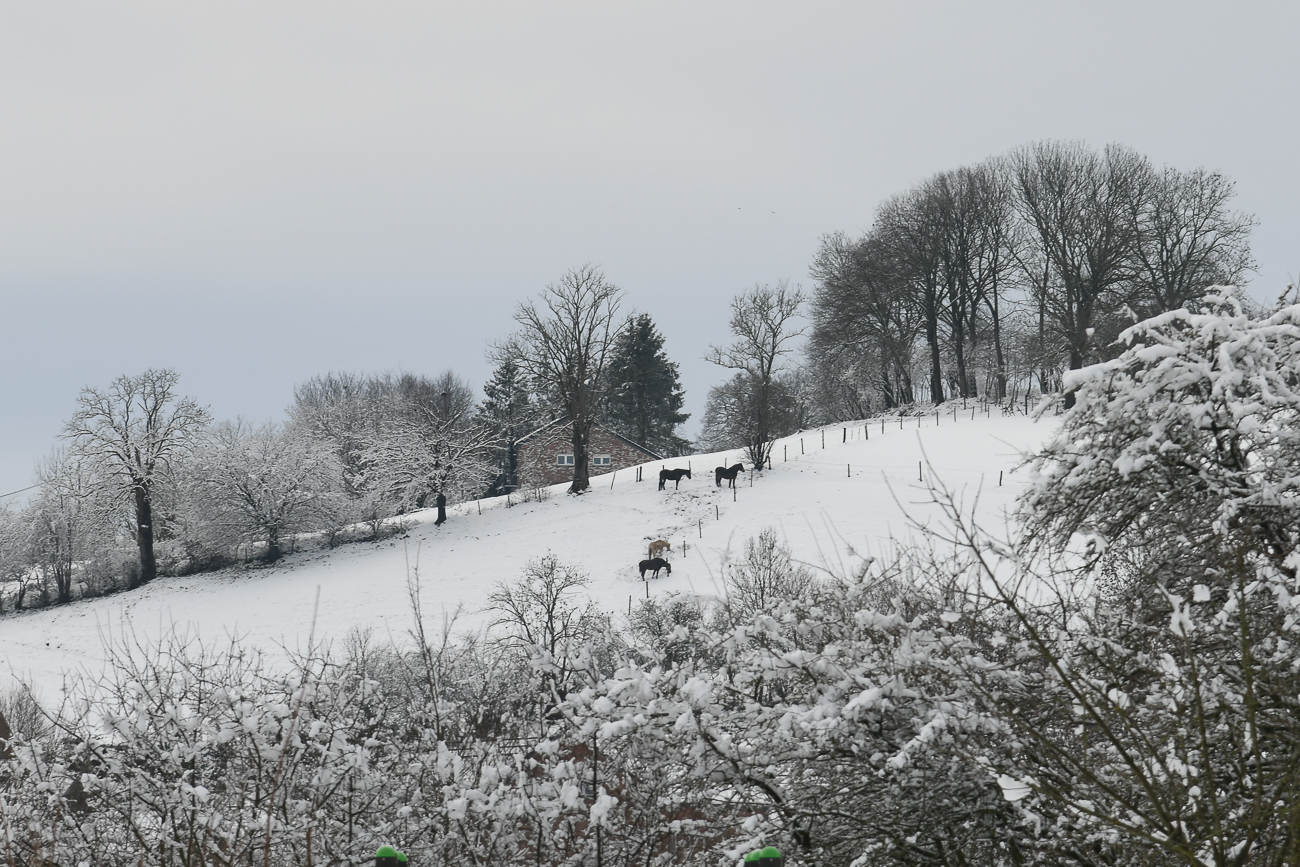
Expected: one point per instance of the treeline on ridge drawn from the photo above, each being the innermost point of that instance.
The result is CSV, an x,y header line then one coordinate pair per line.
x,y
147,483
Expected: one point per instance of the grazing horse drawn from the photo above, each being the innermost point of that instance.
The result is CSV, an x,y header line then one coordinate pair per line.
x,y
728,473
658,547
675,475
654,566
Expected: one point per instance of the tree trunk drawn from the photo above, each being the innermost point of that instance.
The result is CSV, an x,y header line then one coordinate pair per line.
x,y
1042,340
6,735
1076,362
512,465
757,446
63,581
936,368
273,551
959,347
1000,358
144,534
581,475
643,417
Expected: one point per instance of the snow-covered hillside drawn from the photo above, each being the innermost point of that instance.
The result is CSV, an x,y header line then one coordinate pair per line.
x,y
825,502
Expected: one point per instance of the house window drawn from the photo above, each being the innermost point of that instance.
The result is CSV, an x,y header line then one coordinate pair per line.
x,y
600,461
564,461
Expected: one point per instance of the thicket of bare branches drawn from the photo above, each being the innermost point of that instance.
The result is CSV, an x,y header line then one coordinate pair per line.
x,y
1014,270
759,403
566,342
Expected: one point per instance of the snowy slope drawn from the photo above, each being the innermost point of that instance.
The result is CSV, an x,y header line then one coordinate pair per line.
x,y
822,502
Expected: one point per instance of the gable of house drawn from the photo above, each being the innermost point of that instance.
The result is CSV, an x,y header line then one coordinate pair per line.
x,y
546,454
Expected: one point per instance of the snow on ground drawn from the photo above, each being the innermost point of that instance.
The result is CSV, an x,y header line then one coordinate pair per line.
x,y
824,502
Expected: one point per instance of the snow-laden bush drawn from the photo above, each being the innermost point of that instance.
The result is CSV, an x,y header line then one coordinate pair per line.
x,y
1180,460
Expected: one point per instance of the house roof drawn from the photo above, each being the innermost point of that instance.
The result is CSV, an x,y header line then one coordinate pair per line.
x,y
563,421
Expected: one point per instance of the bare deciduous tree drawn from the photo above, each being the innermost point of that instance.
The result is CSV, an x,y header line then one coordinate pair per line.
x,y
433,443
543,613
762,320
566,343
267,482
1188,240
862,307
1077,202
908,228
137,428
68,517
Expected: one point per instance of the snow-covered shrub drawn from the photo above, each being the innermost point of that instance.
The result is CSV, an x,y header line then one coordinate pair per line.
x,y
838,728
1180,461
198,756
764,575
1155,662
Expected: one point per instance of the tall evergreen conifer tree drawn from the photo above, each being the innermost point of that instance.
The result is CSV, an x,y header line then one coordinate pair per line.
x,y
509,409
646,397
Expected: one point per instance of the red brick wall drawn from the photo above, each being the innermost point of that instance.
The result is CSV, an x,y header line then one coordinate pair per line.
x,y
537,456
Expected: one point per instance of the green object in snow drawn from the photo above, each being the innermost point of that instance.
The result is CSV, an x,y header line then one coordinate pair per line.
x,y
401,857
769,856
751,857
385,852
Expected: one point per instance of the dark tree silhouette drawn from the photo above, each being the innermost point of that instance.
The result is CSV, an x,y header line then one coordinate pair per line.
x,y
510,411
565,346
645,394
762,320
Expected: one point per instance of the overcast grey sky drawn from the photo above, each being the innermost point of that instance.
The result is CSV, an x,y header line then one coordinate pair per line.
x,y
254,193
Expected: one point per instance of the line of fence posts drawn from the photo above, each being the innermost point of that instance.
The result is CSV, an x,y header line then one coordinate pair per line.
x,y
785,457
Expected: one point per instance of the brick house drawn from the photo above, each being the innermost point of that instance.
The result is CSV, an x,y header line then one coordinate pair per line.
x,y
546,454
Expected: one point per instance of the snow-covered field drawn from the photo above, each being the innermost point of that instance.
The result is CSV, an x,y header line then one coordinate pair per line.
x,y
825,502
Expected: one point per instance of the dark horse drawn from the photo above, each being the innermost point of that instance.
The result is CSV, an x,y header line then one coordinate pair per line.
x,y
728,473
654,566
675,475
